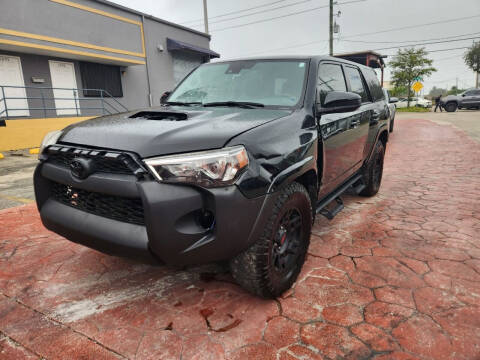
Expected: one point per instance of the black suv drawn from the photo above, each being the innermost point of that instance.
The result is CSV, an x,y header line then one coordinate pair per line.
x,y
233,166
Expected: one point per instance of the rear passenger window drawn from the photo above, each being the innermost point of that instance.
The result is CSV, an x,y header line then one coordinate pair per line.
x,y
330,78
356,83
373,84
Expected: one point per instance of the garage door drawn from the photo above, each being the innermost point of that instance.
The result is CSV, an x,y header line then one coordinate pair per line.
x,y
11,74
65,87
183,64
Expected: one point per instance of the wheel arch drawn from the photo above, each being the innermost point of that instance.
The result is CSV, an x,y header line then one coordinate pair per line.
x,y
382,136
310,181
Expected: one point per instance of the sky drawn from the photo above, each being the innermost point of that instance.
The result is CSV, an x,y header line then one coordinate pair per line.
x,y
300,27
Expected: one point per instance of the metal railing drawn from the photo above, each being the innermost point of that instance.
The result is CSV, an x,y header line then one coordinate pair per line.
x,y
43,100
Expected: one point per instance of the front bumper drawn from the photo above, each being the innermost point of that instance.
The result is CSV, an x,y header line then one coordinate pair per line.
x,y
171,231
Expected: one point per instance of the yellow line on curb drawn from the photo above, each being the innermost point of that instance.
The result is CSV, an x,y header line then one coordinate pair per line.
x,y
33,151
17,199
1,156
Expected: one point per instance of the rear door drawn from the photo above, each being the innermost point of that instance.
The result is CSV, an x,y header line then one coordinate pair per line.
x,y
379,108
359,132
340,132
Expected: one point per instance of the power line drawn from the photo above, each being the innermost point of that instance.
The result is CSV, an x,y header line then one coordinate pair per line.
x,y
381,31
438,50
261,11
284,16
407,41
234,12
426,43
415,26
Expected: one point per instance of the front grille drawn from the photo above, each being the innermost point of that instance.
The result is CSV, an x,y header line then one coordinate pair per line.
x,y
112,207
103,160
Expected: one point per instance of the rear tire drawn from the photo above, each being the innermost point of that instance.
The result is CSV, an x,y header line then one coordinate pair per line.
x,y
451,107
373,171
271,265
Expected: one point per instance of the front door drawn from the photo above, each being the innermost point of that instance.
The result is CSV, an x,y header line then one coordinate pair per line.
x,y
344,134
11,80
64,85
471,98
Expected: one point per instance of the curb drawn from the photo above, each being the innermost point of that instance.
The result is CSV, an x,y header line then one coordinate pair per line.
x,y
33,151
1,156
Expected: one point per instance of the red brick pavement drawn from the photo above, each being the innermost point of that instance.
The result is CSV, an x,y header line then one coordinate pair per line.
x,y
396,276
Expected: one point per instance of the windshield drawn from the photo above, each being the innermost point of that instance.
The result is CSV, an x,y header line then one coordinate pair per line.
x,y
267,82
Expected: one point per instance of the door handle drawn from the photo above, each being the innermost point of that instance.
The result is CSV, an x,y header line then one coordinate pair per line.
x,y
375,117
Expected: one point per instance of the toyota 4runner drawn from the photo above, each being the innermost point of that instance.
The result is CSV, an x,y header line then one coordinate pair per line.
x,y
233,166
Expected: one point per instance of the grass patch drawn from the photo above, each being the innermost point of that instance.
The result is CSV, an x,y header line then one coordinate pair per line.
x,y
414,109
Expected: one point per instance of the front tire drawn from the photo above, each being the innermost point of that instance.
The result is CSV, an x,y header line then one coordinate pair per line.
x,y
271,265
373,171
451,107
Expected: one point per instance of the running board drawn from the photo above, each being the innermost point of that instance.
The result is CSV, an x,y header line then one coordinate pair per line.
x,y
335,196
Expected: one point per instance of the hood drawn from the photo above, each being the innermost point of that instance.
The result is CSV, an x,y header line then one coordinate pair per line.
x,y
449,97
168,130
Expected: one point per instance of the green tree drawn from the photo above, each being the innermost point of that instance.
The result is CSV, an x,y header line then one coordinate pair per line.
x,y
455,91
399,91
409,64
437,91
472,59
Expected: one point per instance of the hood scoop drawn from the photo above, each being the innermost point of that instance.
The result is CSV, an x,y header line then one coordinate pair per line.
x,y
160,115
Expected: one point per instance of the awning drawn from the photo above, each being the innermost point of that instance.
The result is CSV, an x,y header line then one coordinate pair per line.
x,y
175,45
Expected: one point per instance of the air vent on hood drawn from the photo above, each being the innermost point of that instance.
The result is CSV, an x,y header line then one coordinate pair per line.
x,y
160,115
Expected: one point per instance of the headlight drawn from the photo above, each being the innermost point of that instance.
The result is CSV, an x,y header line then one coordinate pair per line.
x,y
206,168
49,139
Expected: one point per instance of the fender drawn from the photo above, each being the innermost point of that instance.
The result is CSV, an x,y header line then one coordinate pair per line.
x,y
382,129
292,172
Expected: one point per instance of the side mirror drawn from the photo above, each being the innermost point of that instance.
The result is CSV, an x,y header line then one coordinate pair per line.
x,y
393,100
463,95
339,101
164,97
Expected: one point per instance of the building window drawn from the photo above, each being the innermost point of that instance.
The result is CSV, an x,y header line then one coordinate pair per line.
x,y
100,76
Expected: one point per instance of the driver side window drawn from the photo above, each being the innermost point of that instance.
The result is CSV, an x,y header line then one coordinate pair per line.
x,y
330,78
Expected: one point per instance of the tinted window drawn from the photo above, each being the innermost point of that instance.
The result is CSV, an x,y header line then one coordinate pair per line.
x,y
356,82
100,76
330,78
472,93
373,84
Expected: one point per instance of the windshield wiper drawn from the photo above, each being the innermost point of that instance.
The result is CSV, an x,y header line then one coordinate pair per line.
x,y
242,104
179,103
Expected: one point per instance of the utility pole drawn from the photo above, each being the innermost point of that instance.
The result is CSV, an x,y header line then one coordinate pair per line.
x,y
205,15
331,27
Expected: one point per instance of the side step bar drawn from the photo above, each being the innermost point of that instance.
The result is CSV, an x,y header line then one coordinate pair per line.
x,y
355,182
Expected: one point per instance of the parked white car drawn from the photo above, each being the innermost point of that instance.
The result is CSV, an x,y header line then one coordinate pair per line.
x,y
423,102
402,103
414,101
392,108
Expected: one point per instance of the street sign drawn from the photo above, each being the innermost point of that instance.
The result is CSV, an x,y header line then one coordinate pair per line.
x,y
418,78
417,86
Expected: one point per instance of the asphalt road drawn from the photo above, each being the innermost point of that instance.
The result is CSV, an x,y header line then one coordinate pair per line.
x,y
16,171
